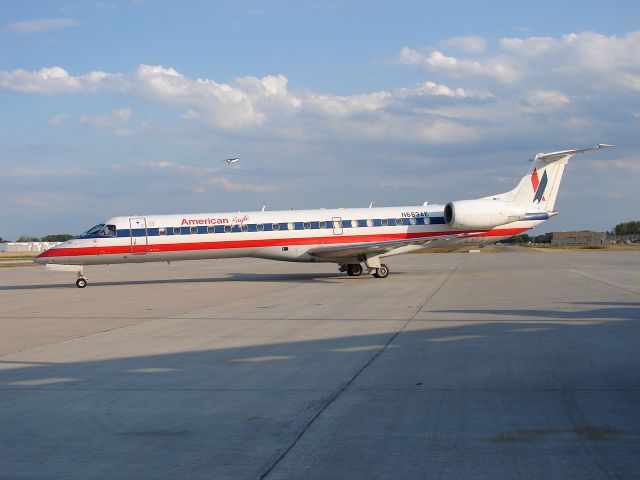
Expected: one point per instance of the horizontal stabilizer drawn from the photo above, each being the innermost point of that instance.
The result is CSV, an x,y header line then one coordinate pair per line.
x,y
555,156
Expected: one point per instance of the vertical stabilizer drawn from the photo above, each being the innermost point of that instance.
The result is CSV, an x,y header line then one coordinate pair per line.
x,y
538,189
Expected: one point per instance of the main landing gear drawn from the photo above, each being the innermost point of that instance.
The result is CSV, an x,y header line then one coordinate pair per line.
x,y
355,270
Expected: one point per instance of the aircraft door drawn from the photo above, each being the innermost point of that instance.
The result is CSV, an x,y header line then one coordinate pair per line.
x,y
337,226
139,241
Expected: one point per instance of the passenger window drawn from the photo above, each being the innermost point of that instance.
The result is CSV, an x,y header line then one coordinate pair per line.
x,y
211,229
307,225
176,230
276,226
245,228
227,228
369,223
291,226
412,221
260,227
323,224
385,222
362,223
399,222
162,231
193,230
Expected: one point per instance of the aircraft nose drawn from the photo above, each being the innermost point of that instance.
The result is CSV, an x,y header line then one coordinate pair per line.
x,y
44,257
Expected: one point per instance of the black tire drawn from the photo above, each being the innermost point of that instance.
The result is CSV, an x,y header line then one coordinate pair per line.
x,y
382,272
354,269
81,282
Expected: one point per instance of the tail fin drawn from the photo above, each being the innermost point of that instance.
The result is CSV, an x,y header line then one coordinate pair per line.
x,y
538,189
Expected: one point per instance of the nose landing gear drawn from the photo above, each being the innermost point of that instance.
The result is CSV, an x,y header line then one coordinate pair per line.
x,y
81,282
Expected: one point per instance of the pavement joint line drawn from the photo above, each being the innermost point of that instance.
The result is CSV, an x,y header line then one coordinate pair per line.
x,y
349,382
121,327
578,273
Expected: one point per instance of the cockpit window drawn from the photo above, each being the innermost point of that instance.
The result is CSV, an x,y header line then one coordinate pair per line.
x,y
94,230
108,231
102,230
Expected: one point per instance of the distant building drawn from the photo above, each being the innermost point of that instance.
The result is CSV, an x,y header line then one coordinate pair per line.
x,y
584,237
545,238
26,247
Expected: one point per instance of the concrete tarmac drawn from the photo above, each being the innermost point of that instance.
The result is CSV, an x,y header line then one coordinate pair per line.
x,y
515,364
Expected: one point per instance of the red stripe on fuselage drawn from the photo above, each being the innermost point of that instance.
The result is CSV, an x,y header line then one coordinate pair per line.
x,y
275,242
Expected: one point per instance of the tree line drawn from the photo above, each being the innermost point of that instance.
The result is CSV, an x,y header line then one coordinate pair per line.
x,y
627,228
59,237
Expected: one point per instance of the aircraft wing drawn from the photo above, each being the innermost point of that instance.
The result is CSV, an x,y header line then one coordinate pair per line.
x,y
554,156
377,248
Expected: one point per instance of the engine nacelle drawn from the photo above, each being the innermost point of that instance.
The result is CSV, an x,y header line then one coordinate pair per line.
x,y
481,214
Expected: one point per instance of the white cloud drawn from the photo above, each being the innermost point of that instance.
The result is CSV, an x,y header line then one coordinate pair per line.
x,y
190,115
545,100
585,59
470,43
58,120
163,164
52,80
432,88
123,114
530,47
497,68
209,177
230,186
243,104
114,122
520,87
39,170
628,164
39,26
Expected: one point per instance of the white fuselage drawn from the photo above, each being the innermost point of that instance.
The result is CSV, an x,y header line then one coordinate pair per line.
x,y
279,235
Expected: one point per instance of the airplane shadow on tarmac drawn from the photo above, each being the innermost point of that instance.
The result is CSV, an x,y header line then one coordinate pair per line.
x,y
533,399
231,277
615,310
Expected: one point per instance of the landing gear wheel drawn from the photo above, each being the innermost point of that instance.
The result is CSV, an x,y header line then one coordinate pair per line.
x,y
382,272
354,269
81,282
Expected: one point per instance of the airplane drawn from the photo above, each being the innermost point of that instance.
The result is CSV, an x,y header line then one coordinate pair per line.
x,y
355,238
231,160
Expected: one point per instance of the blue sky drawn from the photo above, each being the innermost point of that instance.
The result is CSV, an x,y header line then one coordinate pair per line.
x,y
115,108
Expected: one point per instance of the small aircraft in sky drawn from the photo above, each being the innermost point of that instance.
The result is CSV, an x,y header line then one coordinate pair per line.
x,y
356,239
231,160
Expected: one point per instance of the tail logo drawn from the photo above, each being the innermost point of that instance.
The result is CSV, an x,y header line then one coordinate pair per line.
x,y
538,185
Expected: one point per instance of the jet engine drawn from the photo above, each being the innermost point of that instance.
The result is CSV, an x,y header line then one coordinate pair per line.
x,y
481,214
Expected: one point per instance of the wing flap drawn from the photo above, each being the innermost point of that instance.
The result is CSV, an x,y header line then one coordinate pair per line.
x,y
376,248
